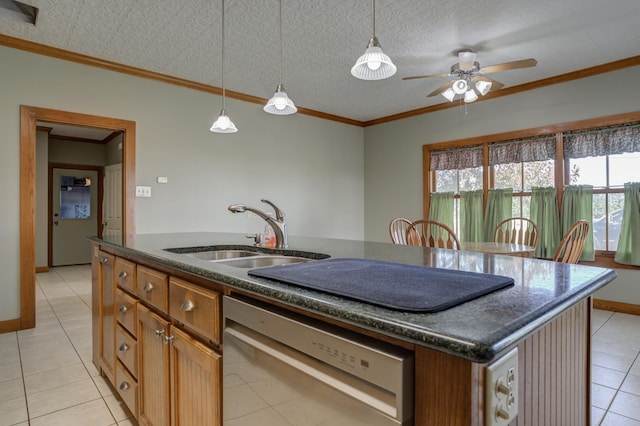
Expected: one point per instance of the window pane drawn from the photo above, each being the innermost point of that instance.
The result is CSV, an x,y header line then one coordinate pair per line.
x,y
538,174
616,204
599,222
588,171
446,180
508,176
471,179
624,168
75,198
603,225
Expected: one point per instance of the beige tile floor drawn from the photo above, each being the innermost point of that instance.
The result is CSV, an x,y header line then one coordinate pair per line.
x,y
47,377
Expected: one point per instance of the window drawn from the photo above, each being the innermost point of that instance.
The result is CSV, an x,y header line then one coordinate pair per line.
x,y
603,153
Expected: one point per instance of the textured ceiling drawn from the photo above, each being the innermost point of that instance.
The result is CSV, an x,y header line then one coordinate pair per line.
x,y
323,38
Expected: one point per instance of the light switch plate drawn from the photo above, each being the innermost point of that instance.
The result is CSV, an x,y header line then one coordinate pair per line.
x,y
143,191
501,390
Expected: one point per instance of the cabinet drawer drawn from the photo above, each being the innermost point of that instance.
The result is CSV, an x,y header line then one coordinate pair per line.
x,y
153,288
126,274
127,350
126,311
197,308
127,388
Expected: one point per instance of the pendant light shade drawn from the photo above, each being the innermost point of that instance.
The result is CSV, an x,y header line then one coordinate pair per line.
x,y
223,124
280,104
373,64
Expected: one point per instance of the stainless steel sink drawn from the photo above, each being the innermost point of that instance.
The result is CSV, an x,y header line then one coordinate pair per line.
x,y
246,256
213,255
262,261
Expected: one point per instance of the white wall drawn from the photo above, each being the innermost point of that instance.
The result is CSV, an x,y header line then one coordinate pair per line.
x,y
393,151
312,168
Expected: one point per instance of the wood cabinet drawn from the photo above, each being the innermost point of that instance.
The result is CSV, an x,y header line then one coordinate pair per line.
x,y
103,298
150,342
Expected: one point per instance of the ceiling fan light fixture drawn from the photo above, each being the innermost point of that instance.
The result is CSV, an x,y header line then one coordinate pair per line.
x,y
466,59
459,87
483,87
470,96
449,94
280,104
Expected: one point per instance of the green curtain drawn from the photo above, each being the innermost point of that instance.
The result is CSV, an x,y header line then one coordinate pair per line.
x,y
441,208
498,209
545,214
628,251
577,204
471,216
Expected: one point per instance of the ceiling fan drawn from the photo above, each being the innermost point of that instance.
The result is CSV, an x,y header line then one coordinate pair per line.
x,y
469,79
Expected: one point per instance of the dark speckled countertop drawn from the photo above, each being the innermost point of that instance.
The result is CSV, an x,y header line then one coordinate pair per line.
x,y
478,330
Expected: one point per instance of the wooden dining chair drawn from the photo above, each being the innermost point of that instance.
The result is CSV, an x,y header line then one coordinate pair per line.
x,y
429,233
398,230
516,230
570,248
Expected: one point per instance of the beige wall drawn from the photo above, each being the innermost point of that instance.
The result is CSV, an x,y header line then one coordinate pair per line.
x,y
393,151
312,168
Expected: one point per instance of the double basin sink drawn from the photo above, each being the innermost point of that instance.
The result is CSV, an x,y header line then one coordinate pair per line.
x,y
247,256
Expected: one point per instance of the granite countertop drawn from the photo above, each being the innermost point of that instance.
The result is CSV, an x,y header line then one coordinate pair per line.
x,y
477,330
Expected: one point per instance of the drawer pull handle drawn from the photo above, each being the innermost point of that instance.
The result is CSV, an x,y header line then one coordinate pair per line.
x,y
123,274
187,306
147,287
123,347
124,386
122,309
159,332
103,260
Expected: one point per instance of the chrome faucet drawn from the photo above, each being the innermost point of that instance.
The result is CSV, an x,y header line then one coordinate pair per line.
x,y
279,224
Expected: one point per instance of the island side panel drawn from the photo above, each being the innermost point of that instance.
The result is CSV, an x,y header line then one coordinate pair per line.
x,y
554,378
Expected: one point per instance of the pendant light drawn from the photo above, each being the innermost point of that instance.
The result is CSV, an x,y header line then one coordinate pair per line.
x,y
374,64
280,104
223,124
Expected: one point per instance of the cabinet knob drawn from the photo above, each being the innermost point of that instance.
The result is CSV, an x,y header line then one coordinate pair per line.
x,y
123,274
187,306
123,347
123,309
147,287
159,332
124,386
168,339
103,260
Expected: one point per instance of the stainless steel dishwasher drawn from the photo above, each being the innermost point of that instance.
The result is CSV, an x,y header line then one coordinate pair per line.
x,y
283,369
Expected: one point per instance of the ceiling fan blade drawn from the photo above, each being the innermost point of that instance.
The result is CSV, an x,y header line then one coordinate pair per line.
x,y
427,76
441,89
524,63
495,85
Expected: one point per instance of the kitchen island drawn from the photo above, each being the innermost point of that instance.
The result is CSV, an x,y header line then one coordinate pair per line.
x,y
545,315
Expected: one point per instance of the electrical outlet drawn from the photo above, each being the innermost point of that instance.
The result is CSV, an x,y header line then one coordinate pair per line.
x,y
501,390
143,191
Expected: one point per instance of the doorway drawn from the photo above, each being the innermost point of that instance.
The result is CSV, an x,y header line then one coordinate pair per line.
x,y
28,117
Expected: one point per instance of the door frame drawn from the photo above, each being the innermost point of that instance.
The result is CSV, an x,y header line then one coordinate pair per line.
x,y
100,172
29,115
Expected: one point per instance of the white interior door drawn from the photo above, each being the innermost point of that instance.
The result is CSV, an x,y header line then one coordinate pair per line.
x,y
112,202
75,215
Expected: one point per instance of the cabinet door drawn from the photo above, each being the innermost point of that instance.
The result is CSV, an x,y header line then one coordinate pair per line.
x,y
195,382
153,368
103,287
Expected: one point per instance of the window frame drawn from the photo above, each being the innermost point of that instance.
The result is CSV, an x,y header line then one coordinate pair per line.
x,y
562,172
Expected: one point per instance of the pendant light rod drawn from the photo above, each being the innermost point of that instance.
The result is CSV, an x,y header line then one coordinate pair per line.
x,y
373,18
280,35
223,90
